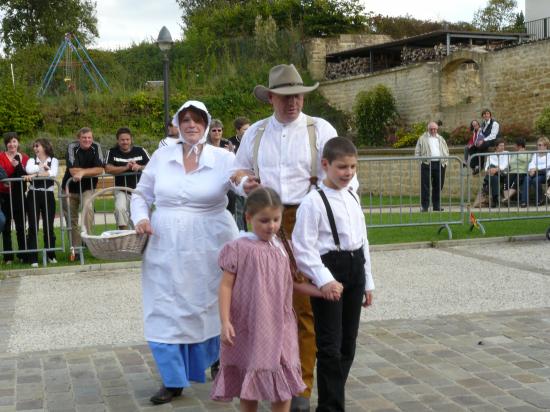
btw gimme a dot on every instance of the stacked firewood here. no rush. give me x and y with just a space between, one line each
348 67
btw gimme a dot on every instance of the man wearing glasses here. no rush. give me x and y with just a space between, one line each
432 145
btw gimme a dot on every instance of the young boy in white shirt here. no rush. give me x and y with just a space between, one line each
332 250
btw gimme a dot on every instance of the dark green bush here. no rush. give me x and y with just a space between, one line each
374 111
542 124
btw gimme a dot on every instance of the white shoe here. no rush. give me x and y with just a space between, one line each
34 265
52 260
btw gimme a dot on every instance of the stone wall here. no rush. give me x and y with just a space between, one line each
514 83
318 48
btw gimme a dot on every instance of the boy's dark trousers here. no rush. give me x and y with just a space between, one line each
336 327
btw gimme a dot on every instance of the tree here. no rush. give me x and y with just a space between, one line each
27 22
498 15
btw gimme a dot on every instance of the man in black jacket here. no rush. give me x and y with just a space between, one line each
84 162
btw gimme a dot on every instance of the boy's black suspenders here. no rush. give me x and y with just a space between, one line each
330 216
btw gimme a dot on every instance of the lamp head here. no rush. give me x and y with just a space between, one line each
164 39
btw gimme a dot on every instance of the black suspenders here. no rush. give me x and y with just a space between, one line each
330 216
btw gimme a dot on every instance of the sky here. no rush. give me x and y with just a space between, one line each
123 22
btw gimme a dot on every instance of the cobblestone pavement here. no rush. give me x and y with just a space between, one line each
492 361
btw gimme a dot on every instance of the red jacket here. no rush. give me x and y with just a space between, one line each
11 171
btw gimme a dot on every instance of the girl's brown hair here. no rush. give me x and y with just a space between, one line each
261 198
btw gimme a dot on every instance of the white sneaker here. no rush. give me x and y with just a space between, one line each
52 260
34 265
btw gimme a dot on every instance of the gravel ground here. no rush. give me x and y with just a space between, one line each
421 283
81 309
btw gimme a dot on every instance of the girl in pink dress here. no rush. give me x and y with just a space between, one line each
259 355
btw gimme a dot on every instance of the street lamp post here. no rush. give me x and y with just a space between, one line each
165 42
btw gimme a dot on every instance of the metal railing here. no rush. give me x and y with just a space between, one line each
538 29
392 193
490 196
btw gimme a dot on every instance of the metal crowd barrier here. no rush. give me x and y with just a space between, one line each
20 216
524 204
391 195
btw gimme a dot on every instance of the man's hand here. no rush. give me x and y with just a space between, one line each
493 171
251 184
532 172
332 290
77 177
368 298
144 227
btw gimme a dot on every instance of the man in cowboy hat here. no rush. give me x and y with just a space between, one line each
284 151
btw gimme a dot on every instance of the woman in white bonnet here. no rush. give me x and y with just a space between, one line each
187 183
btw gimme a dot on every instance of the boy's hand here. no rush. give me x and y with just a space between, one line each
368 298
228 333
332 290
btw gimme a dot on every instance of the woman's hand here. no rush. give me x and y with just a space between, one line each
228 333
28 178
144 227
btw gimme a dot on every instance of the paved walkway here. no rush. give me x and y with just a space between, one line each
489 352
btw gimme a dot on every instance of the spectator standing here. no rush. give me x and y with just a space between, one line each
12 195
236 202
173 136
84 162
215 135
241 125
284 151
3 175
432 171
40 198
122 159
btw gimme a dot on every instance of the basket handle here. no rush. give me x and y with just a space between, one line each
88 204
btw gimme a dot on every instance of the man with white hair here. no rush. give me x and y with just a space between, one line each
433 148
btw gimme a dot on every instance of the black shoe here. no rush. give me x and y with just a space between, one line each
299 404
475 171
214 369
424 210
165 395
523 204
438 209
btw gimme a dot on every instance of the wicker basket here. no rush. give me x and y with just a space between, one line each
114 244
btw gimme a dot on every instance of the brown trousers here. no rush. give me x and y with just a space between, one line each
304 314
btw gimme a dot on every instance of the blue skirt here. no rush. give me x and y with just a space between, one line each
178 364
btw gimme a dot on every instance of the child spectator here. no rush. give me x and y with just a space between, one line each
331 246
259 354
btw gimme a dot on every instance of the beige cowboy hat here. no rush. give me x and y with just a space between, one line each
285 80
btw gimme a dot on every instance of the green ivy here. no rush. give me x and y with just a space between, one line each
374 110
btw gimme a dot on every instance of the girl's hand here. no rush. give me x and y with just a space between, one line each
28 178
228 333
144 226
368 298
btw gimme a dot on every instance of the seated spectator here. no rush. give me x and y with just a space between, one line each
173 135
84 163
470 147
539 172
40 198
485 140
121 159
215 135
495 169
12 196
517 171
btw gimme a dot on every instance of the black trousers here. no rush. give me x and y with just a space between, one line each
432 173
336 328
483 148
13 207
40 203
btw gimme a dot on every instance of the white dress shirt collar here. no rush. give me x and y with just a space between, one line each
206 157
